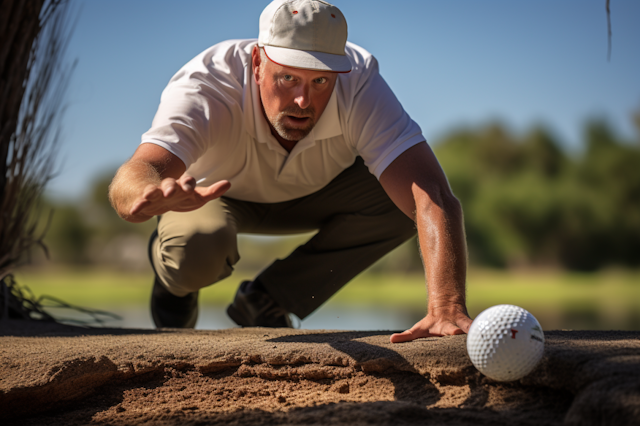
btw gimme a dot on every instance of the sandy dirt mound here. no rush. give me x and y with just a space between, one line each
60 375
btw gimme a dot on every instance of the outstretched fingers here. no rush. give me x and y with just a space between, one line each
180 195
170 187
187 184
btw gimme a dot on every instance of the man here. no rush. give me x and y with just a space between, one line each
296 132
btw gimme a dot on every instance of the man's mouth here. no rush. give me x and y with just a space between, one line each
298 120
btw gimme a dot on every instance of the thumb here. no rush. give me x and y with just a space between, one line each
465 324
214 191
405 336
412 334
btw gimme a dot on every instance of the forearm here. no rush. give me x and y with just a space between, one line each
443 248
129 184
416 183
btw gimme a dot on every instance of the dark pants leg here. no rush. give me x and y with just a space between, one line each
358 224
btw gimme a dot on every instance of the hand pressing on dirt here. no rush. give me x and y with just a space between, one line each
440 321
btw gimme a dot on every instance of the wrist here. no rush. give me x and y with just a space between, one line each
447 306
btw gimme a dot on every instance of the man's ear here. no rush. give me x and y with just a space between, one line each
256 62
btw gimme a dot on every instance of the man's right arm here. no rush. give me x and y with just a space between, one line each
154 182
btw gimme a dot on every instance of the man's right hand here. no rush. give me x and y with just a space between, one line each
179 195
154 182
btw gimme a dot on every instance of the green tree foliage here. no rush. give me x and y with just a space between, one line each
528 203
68 235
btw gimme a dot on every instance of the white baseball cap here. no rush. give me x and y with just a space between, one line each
308 34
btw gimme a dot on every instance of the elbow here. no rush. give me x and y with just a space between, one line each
118 200
115 198
437 198
451 204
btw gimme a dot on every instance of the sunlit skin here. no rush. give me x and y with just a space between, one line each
293 99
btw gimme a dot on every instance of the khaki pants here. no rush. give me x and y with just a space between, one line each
357 224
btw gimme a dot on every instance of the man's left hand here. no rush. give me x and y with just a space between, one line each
440 321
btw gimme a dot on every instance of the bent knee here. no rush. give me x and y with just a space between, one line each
199 260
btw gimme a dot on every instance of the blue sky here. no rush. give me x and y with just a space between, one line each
451 63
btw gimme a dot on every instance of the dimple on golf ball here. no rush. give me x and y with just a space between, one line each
505 342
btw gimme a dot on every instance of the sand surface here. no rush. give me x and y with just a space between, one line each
61 375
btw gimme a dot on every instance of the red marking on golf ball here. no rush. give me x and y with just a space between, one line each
333 16
295 12
513 333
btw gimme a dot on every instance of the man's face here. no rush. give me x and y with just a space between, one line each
293 99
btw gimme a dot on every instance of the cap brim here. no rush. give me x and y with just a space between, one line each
308 60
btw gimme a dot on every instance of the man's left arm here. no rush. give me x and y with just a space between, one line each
418 186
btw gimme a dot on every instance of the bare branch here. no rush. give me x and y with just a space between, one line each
609 30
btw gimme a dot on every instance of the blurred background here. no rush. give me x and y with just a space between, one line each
534 117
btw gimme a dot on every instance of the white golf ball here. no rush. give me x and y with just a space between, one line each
505 342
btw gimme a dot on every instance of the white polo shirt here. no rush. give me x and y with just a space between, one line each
210 117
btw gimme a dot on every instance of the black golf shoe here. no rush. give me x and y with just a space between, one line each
169 311
253 307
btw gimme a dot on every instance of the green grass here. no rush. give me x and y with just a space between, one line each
99 287
602 300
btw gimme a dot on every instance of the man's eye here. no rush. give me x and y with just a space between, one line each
321 80
287 77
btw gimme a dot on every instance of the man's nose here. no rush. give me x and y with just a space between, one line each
302 98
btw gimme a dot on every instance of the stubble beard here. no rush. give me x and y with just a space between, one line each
293 134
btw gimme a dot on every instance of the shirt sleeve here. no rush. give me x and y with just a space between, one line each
378 126
196 109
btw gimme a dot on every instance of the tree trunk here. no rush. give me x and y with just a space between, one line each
19 26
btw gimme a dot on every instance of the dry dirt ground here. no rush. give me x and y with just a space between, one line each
60 375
